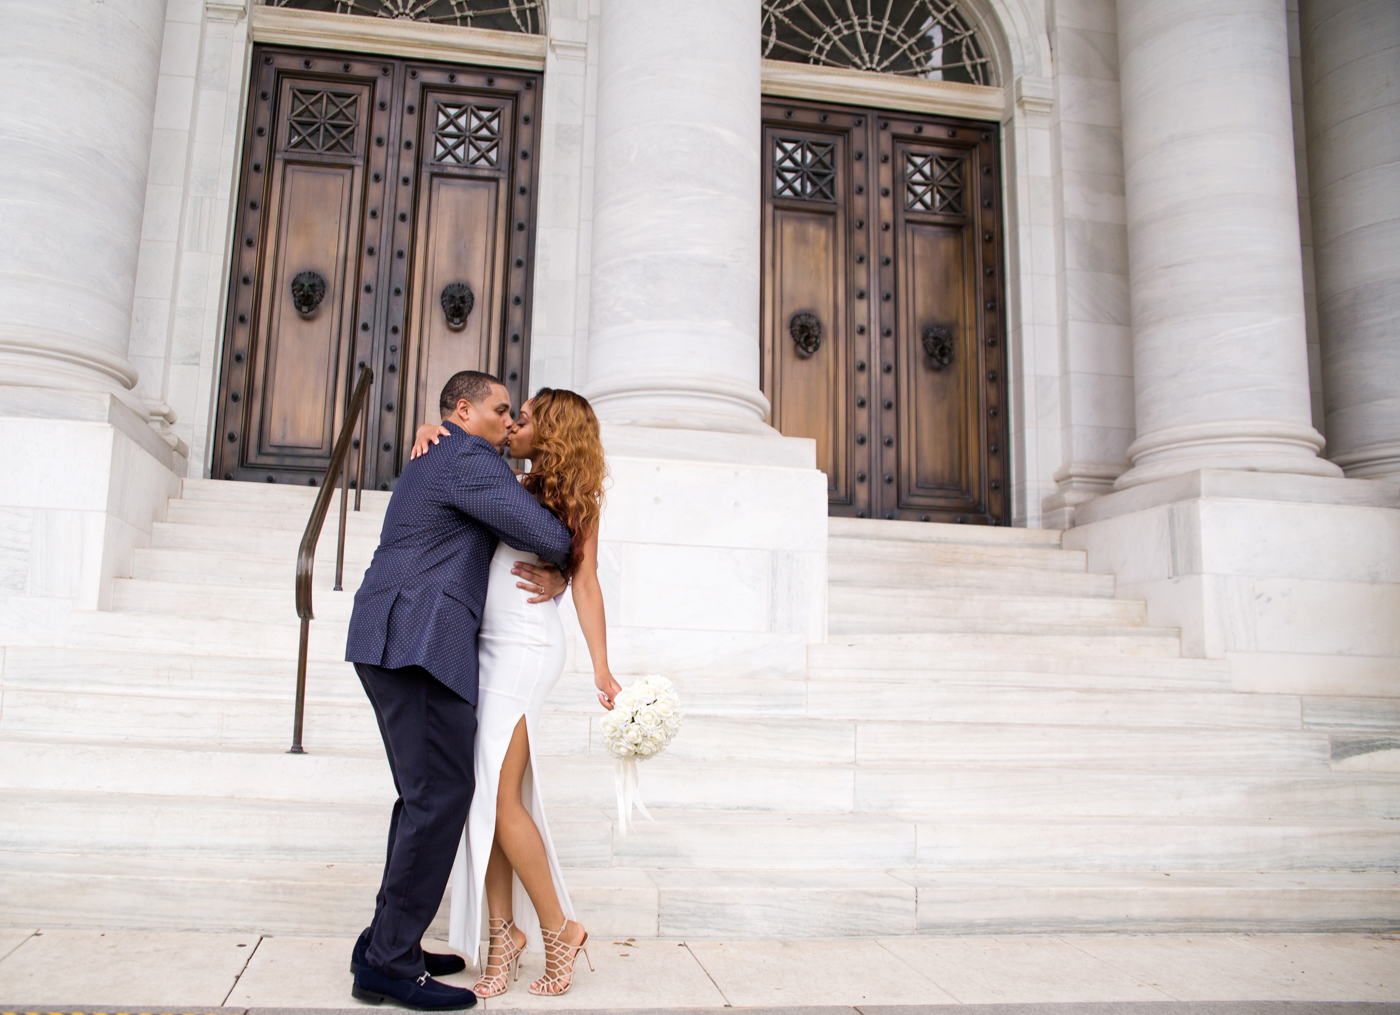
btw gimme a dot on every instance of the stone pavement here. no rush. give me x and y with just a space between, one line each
136 971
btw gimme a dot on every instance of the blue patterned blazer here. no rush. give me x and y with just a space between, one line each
422 597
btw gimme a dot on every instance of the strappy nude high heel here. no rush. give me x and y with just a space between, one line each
560 956
502 956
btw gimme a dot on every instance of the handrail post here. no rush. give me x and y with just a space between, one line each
364 444
340 539
301 687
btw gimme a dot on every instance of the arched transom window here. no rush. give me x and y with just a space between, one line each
928 39
500 15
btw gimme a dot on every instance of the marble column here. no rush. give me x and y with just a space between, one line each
1351 96
1216 287
79 80
674 305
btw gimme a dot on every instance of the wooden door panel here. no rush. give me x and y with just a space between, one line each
300 366
466 184
458 244
808 255
938 456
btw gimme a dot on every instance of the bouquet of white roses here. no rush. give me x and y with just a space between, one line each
644 718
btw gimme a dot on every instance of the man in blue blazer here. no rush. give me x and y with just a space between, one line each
413 642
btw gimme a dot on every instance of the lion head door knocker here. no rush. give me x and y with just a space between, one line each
806 332
938 344
308 290
457 303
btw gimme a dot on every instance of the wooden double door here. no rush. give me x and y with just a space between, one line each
883 318
385 219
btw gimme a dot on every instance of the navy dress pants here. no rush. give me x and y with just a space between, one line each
429 733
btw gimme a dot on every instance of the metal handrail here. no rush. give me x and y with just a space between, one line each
306 555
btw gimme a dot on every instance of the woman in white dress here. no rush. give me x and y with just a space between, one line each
521 652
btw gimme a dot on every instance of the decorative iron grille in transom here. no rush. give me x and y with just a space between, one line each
322 121
804 169
928 39
934 183
499 15
467 135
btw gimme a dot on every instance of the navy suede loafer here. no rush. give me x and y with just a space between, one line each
436 965
422 993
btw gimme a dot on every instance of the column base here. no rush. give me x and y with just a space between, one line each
1246 445
87 477
1076 483
712 554
1294 579
66 363
1375 461
681 402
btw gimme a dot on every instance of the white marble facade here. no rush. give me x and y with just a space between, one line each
1201 275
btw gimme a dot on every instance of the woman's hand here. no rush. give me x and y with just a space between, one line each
428 433
608 689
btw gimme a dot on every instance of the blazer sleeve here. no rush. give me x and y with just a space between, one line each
485 489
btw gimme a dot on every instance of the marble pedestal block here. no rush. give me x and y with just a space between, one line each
84 479
712 554
1293 579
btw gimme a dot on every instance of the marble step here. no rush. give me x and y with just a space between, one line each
1020 669
251 538
315 898
239 568
235 602
882 751
939 532
579 780
129 824
733 905
963 703
884 553
52 702
904 650
706 840
207 514
303 896
865 609
273 638
902 575
268 496
156 632
61 672
851 609
688 839
993 638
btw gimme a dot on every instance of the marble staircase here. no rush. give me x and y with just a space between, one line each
989 741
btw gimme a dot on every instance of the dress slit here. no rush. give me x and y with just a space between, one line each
521 650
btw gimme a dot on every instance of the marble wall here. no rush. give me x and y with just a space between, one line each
85 478
1293 579
1090 247
177 321
563 234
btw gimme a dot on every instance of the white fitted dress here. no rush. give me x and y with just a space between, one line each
521 652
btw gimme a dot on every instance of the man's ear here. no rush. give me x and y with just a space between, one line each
464 408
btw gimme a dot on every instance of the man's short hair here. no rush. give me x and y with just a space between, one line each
473 385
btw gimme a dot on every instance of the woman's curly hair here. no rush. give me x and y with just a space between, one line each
568 471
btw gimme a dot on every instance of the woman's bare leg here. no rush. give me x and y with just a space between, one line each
499 903
520 843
